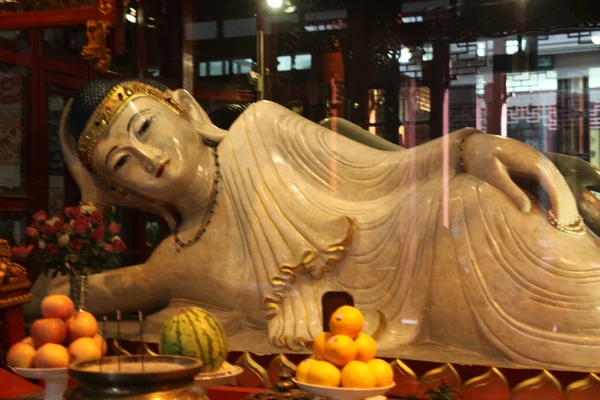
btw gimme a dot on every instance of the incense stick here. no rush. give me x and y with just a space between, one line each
141 321
104 320
119 339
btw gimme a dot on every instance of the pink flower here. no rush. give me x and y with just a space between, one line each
52 249
108 247
98 234
48 230
81 224
118 244
96 217
76 245
21 252
39 216
72 212
114 228
31 231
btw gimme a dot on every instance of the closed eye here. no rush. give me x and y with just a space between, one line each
145 126
121 162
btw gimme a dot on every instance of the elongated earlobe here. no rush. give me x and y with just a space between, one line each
198 117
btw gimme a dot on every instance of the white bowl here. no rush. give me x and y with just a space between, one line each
55 380
225 376
339 393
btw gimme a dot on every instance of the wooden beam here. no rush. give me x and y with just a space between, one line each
224 96
37 19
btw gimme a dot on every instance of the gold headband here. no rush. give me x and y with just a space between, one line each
112 104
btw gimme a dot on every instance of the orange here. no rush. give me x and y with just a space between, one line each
302 370
339 350
323 373
384 374
346 320
365 347
357 374
319 345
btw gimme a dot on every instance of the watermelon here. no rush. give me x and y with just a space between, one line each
194 332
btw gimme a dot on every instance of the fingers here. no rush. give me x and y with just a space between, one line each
523 161
504 182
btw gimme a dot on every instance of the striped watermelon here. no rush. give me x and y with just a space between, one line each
193 332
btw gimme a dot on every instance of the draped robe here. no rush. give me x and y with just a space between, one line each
444 265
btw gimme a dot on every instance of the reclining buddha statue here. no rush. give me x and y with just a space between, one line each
468 248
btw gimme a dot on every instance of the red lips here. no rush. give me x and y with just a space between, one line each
161 168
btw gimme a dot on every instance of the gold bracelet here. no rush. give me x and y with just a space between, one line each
461 152
577 228
103 209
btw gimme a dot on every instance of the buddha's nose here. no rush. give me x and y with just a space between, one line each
150 157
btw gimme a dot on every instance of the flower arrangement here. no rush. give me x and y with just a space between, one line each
77 239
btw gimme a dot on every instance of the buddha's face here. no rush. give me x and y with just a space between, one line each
149 150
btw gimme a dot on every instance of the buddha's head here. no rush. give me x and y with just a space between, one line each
141 136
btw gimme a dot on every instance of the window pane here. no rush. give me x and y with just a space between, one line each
14 86
55 104
284 63
14 39
64 43
303 61
12 227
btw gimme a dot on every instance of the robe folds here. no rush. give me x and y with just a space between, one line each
444 266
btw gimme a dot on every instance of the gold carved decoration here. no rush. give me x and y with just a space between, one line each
277 366
105 6
96 51
490 386
407 383
13 278
16 300
443 375
585 389
254 376
544 386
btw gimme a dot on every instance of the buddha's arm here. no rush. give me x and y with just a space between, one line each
497 161
128 289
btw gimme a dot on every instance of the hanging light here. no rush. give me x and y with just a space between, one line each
275 3
289 7
131 15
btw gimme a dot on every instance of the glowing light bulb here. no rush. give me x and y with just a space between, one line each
275 3
596 38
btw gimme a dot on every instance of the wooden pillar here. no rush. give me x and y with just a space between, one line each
495 96
358 55
436 75
187 55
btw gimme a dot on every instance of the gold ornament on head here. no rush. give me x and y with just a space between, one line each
106 112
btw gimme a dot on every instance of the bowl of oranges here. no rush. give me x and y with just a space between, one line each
343 365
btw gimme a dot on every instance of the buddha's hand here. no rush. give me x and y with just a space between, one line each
497 161
91 189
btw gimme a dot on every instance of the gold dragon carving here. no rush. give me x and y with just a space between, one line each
96 51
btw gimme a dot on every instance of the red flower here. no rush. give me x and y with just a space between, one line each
59 225
81 224
98 234
76 245
39 216
52 249
48 230
72 212
31 231
35 225
108 248
21 251
114 228
96 217
118 245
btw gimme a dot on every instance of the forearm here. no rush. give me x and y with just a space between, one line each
431 158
